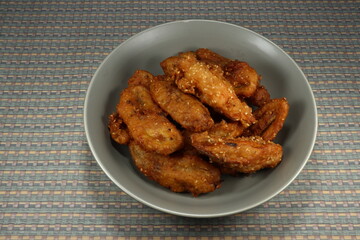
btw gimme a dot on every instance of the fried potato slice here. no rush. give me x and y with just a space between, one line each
242 155
195 77
185 109
147 123
118 130
271 118
183 172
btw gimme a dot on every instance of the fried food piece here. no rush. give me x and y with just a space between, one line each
222 129
185 109
147 123
170 65
225 169
225 129
260 97
141 77
183 172
118 130
194 77
271 118
243 155
171 68
242 77
210 57
187 140
240 74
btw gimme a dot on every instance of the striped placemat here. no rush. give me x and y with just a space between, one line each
52 188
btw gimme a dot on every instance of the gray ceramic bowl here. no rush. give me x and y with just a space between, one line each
280 74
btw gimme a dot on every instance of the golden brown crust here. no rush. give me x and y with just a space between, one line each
118 130
260 97
242 77
195 77
240 74
225 129
271 118
243 155
184 172
210 57
147 123
141 77
171 68
185 109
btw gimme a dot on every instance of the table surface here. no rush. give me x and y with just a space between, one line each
51 187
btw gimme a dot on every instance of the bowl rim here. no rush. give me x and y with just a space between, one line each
178 213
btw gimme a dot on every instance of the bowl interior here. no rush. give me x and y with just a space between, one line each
146 50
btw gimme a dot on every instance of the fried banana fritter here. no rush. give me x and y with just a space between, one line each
195 77
118 130
271 118
242 155
141 77
240 74
225 129
147 123
170 66
242 77
260 97
184 172
185 109
210 57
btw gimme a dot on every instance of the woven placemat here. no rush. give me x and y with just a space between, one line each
50 184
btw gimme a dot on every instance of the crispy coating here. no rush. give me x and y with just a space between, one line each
185 109
242 77
141 77
225 129
195 77
118 130
240 74
242 155
184 172
260 97
170 66
271 118
210 57
147 123
225 169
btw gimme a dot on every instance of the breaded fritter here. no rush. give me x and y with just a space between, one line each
270 119
242 77
146 122
210 57
260 97
141 77
184 172
185 109
194 77
225 129
242 155
118 130
240 74
170 66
